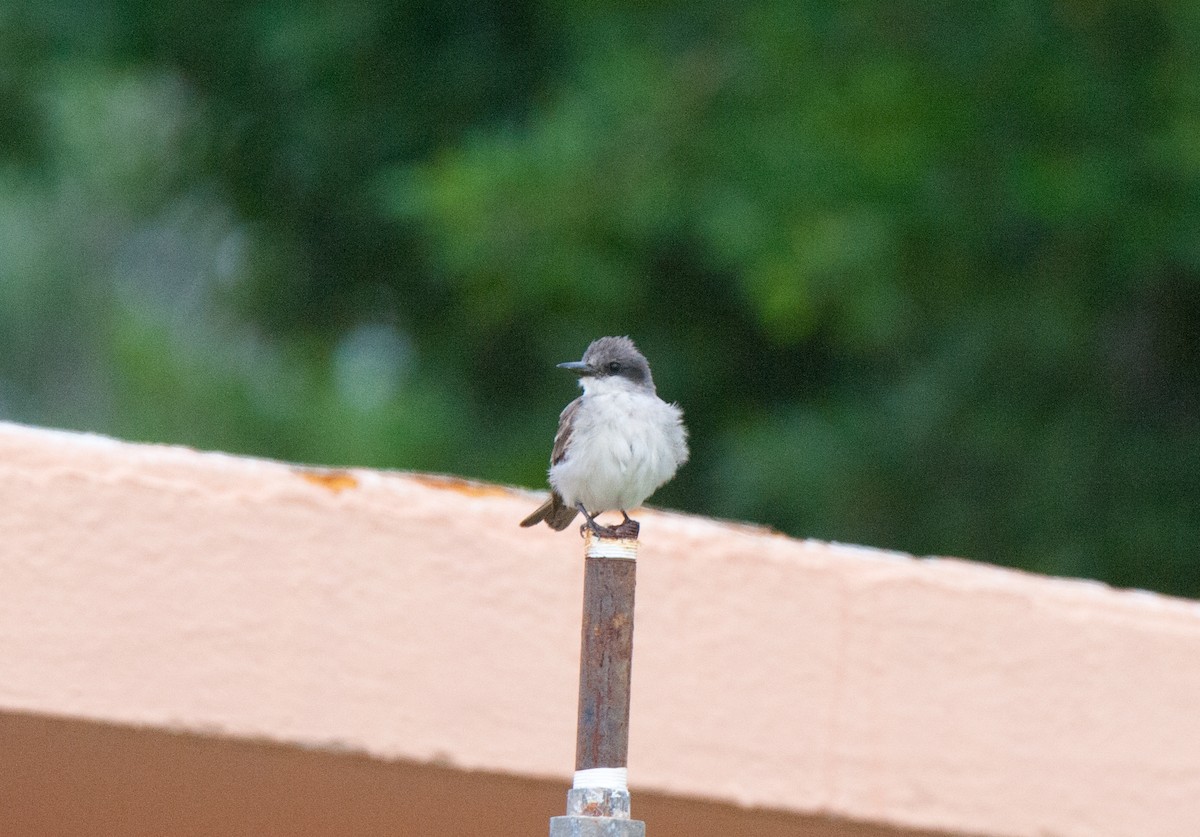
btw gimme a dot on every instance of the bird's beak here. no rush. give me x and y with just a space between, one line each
576 366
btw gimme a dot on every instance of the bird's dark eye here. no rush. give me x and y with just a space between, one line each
614 367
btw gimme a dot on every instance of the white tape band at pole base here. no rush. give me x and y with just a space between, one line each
611 548
611 778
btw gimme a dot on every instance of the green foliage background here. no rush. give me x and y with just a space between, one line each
923 275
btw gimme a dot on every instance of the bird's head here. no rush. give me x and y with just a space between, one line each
612 358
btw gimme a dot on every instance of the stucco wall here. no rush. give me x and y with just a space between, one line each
407 617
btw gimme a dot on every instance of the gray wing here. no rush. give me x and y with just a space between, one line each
563 437
557 515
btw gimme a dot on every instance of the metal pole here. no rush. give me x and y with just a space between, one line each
598 804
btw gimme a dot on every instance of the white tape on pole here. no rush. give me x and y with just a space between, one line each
612 778
612 548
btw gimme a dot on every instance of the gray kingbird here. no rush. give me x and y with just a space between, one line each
616 443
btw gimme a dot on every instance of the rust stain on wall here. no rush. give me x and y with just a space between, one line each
462 486
335 481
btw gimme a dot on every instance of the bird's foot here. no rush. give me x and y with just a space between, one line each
627 528
600 530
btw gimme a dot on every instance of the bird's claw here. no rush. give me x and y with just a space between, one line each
627 528
600 530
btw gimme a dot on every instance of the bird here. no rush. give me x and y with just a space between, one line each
616 444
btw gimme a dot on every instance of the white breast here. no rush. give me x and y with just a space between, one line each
626 442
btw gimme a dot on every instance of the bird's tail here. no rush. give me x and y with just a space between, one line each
557 514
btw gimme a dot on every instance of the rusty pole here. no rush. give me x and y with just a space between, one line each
598 804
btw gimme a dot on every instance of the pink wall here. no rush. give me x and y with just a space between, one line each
408 617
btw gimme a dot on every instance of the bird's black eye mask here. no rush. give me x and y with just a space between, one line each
635 370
